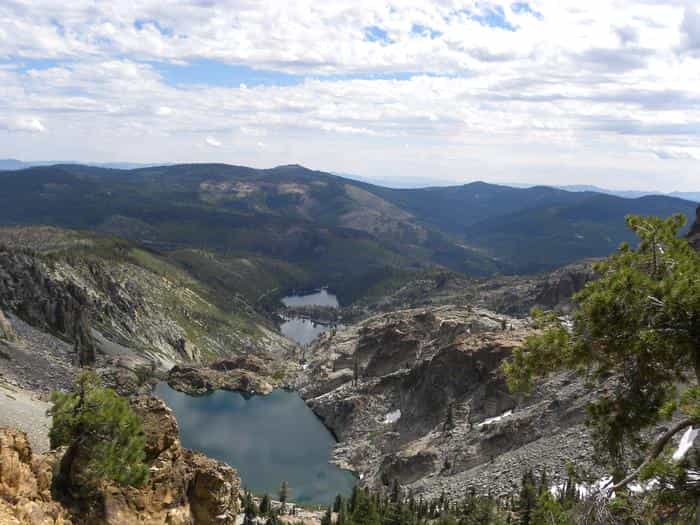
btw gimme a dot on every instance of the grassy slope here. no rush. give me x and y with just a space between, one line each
152 298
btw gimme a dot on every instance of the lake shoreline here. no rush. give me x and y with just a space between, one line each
305 316
281 417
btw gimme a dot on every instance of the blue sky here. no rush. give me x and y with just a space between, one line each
544 91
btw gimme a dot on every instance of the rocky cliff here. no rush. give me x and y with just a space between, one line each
418 396
184 487
106 295
25 484
513 295
247 374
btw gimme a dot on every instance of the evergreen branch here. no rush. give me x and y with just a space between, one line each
658 447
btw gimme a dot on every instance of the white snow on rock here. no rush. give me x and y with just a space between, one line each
495 419
686 443
392 417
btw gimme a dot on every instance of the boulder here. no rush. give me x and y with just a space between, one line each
25 496
212 490
184 487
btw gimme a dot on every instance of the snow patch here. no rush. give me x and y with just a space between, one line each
392 417
494 419
686 443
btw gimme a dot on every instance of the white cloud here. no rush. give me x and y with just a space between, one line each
23 124
584 90
690 29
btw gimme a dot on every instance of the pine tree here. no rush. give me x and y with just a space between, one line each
544 483
528 498
249 508
284 494
449 419
395 491
327 518
356 368
265 505
103 435
639 322
354 497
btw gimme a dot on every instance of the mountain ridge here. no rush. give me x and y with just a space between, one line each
334 230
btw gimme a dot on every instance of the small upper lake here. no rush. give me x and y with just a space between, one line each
268 439
303 330
319 298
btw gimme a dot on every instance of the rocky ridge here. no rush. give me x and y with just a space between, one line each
132 303
418 396
246 374
513 295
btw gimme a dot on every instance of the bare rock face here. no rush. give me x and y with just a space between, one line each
247 374
212 490
418 396
184 487
25 496
163 317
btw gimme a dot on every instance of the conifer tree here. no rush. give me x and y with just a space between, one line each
639 322
327 518
395 491
103 435
528 498
284 494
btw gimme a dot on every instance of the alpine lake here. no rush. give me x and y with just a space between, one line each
267 439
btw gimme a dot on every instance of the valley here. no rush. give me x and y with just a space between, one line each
200 284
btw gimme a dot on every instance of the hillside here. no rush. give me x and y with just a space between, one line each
136 303
298 227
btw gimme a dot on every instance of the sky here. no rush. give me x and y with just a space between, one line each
556 92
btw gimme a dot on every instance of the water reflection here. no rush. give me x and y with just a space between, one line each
320 298
303 331
268 439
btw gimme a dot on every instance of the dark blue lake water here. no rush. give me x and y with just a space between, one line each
268 439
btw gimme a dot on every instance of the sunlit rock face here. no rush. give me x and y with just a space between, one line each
184 487
418 395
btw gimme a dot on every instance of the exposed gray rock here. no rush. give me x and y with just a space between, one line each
161 316
418 395
248 374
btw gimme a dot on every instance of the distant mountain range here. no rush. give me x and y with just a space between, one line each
322 228
390 182
633 194
14 164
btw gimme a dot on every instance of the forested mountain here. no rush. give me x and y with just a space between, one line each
326 228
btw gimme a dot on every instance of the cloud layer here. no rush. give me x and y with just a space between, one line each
545 91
